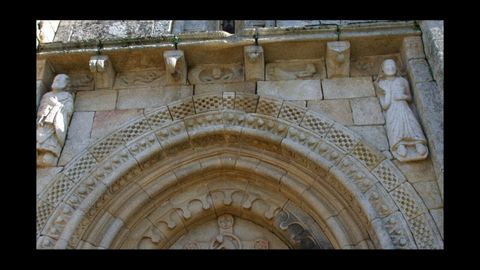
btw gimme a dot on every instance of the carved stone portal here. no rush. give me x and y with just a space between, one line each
338 59
407 142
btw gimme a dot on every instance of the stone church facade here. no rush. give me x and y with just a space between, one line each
239 134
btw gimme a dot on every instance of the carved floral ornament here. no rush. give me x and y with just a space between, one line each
309 141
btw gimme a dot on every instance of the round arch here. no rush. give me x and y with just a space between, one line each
160 175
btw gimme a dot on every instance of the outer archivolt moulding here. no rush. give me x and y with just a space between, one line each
325 160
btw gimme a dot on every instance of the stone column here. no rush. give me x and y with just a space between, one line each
103 71
254 63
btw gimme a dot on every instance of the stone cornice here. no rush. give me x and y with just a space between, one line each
217 38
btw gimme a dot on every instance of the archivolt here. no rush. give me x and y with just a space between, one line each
158 174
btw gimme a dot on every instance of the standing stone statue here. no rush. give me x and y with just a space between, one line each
55 110
407 142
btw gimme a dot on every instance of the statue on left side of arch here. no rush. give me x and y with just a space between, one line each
53 117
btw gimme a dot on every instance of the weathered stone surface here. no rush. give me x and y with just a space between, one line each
107 121
343 22
45 175
82 81
78 137
45 72
430 107
367 111
296 23
41 89
291 90
100 100
412 48
45 76
361 66
162 27
437 215
245 87
339 109
72 148
388 154
386 40
83 30
418 71
432 35
257 23
151 97
194 26
347 87
429 193
437 68
418 171
80 126
301 103
307 69
330 22
440 183
376 135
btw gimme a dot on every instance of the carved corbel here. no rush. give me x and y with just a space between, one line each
176 67
103 71
338 59
254 63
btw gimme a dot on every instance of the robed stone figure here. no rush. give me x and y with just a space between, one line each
54 113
